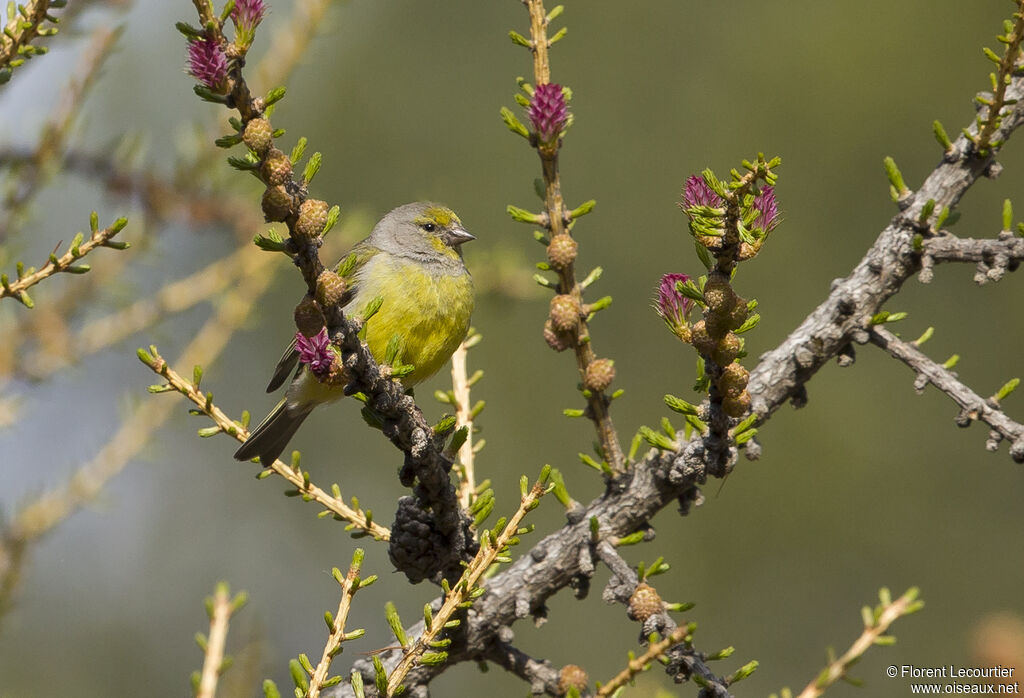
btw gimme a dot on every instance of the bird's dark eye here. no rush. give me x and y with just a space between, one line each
429 227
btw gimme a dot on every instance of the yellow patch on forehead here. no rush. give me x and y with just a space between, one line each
440 216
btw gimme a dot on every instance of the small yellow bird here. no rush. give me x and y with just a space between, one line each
413 261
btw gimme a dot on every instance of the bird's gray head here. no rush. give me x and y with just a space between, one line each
422 230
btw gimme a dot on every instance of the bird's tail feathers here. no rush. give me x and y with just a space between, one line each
270 438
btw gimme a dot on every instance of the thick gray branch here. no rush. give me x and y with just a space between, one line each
845 315
521 590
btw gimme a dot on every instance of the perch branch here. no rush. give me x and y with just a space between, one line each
426 467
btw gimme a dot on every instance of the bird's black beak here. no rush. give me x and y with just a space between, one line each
456 236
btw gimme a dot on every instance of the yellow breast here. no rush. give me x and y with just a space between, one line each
429 310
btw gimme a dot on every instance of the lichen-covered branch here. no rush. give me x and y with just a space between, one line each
993 256
538 674
553 563
972 405
644 605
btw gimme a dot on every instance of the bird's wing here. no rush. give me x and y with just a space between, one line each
284 367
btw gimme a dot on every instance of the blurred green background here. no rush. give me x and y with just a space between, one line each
869 485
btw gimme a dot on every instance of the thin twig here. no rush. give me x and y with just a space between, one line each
220 609
463 418
350 584
948 248
207 16
174 297
65 263
971 404
21 29
874 633
993 256
635 666
357 518
1008 64
57 343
